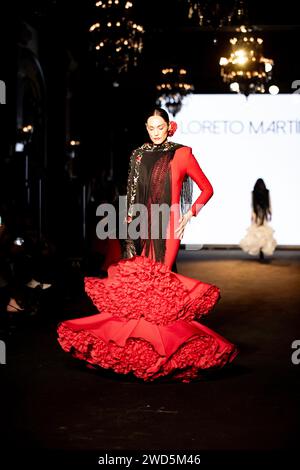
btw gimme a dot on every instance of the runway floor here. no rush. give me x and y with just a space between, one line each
56 410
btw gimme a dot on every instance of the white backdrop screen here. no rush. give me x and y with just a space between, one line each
236 141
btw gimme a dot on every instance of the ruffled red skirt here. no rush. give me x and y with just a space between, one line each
148 323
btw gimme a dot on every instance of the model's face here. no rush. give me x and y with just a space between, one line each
157 129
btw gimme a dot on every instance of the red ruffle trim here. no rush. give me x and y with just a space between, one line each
146 325
141 287
181 350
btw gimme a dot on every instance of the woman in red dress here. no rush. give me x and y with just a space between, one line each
148 315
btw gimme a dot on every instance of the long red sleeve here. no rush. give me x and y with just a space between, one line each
194 171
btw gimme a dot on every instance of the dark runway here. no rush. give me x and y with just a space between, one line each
56 411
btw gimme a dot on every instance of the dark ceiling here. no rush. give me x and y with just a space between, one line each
170 37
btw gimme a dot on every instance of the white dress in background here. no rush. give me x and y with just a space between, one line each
259 238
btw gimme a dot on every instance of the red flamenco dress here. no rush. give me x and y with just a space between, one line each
148 315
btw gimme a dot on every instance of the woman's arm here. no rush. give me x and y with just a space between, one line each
129 250
270 206
129 181
194 171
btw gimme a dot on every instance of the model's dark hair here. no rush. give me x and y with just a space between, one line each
261 201
159 112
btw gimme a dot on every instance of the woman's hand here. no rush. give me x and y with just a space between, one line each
182 223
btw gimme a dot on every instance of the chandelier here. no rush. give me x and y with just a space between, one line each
172 88
246 70
116 38
215 13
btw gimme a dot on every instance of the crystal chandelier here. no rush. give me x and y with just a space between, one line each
116 37
172 88
246 70
215 13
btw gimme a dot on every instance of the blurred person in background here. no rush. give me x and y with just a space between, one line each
259 240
